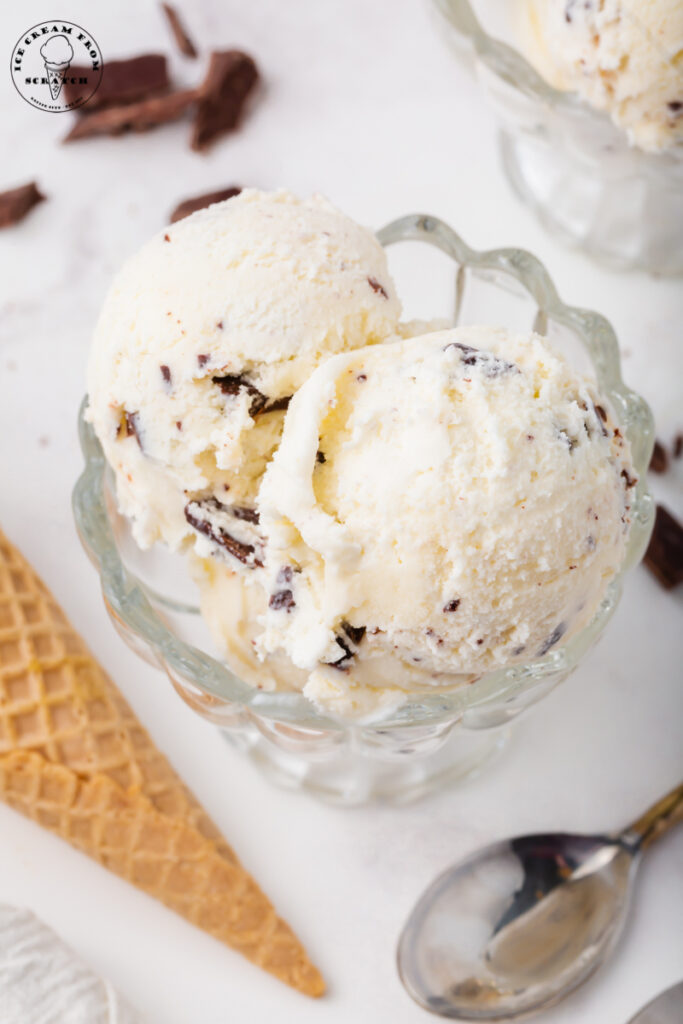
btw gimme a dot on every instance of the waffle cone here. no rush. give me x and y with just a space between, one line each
74 758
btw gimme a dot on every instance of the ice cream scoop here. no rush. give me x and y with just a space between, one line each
57 53
622 57
438 508
204 337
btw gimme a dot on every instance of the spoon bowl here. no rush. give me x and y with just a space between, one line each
519 925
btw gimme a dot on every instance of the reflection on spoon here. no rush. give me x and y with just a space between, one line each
519 925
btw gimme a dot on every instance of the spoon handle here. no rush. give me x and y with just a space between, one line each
659 818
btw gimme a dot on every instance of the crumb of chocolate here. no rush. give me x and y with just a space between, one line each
285 574
132 426
480 641
489 364
629 481
233 384
277 405
659 463
219 325
346 656
282 600
664 556
452 606
530 437
182 39
138 117
377 287
189 206
179 424
361 377
319 457
167 238
165 373
230 78
16 203
203 359
601 413
675 106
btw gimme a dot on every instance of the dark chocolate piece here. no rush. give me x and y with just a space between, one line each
203 359
285 575
664 556
183 41
354 633
249 515
377 287
452 606
659 463
189 206
230 78
123 81
232 384
490 365
675 106
132 423
346 655
165 373
137 117
554 638
17 202
319 457
277 404
244 553
629 481
282 600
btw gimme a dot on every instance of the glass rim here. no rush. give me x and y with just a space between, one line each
128 600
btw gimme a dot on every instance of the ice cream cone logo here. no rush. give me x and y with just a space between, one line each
56 65
57 53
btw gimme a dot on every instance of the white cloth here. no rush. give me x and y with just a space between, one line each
42 981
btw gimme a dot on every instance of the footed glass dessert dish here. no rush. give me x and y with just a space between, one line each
566 160
432 738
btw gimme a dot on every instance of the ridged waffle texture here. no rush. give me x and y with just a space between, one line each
74 758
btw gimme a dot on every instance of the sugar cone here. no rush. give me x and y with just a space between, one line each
74 757
55 77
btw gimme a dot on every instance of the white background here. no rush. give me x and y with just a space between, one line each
363 102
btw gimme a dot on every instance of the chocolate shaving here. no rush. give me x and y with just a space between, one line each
249 515
347 654
319 457
132 424
17 202
659 463
282 600
165 373
664 556
377 287
554 637
123 81
244 553
232 384
222 96
183 41
189 206
452 606
137 117
277 404
354 633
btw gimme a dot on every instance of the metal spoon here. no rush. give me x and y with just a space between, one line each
516 927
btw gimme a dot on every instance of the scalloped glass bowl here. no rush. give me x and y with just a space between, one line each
431 739
567 161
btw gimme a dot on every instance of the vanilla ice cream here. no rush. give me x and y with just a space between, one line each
622 57
438 508
204 337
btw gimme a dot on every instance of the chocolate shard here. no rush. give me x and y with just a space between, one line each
659 463
131 422
249 515
320 457
664 556
490 364
182 39
554 638
451 606
277 404
230 78
345 657
17 202
282 600
189 206
137 117
198 515
232 384
377 287
354 633
123 81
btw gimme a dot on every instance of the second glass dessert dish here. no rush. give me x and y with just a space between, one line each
435 735
619 199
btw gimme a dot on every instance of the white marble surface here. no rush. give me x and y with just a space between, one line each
363 102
